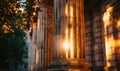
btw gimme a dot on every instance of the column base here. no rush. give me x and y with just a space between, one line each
68 70
111 68
61 64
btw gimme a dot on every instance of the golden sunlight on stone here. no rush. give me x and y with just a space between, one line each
37 56
69 11
109 41
118 23
66 45
106 16
71 43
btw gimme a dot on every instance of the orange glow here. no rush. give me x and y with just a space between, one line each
34 13
109 41
117 42
106 16
69 13
118 23
110 44
71 43
37 56
66 9
66 45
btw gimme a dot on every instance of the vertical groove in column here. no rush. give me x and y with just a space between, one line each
75 43
41 27
73 27
83 31
66 18
37 62
65 27
45 46
40 43
58 52
40 57
68 25
48 57
54 53
62 28
82 28
81 50
43 39
77 23
46 52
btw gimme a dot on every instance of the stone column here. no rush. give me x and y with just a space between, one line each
44 36
69 31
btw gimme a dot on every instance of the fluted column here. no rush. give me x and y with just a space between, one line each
45 36
69 26
69 45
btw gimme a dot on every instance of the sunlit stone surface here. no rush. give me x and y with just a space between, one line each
65 50
69 45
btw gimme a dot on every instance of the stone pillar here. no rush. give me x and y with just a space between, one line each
32 49
68 31
44 36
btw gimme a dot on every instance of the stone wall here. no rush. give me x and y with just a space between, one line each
103 53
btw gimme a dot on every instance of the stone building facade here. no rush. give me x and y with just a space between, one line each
90 28
102 34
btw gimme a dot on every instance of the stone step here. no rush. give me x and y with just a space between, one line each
68 70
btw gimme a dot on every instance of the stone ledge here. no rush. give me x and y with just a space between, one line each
68 70
61 64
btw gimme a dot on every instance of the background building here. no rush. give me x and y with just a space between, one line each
102 34
101 23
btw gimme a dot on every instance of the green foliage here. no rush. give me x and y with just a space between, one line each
31 11
10 13
12 46
12 25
